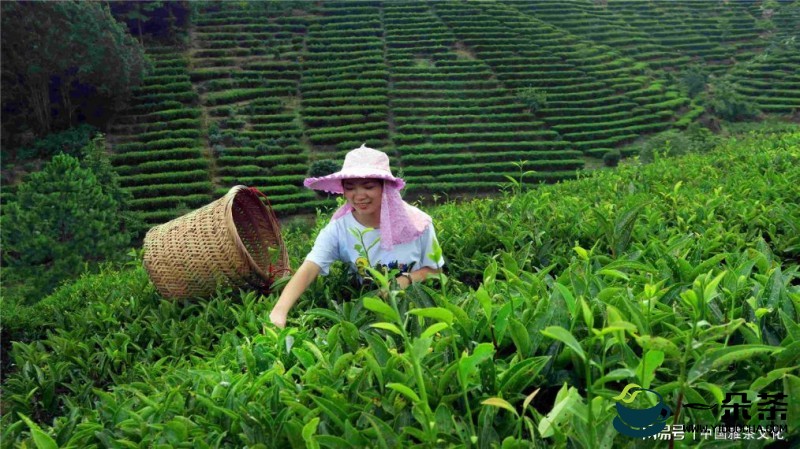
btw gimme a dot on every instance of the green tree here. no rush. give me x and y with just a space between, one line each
323 167
535 99
65 60
611 158
69 141
694 80
95 158
728 104
63 219
166 21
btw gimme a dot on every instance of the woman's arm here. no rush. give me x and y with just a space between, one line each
304 276
417 276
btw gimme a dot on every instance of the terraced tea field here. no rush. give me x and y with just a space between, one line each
443 87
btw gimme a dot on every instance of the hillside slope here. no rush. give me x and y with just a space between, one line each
457 93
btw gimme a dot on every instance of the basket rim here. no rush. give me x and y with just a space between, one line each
230 196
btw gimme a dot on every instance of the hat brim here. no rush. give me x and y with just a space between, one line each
333 183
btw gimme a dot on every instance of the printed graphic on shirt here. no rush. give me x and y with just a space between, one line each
362 263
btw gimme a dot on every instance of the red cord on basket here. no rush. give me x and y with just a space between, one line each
272 270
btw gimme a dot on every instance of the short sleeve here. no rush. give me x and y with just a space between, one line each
326 249
428 238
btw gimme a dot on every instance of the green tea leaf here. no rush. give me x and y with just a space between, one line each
373 366
529 399
485 301
445 381
563 335
405 391
710 290
789 357
436 250
326 313
582 253
520 336
559 412
614 273
724 356
461 317
42 440
175 431
685 269
521 374
770 377
615 375
388 326
693 396
791 388
378 348
308 433
586 311
501 321
716 391
381 308
333 442
669 348
416 433
379 277
770 297
609 293
707 265
317 353
646 371
433 329
436 313
332 409
501 403
386 438
342 363
468 364
792 328
572 304
714 333
444 418
420 347
304 357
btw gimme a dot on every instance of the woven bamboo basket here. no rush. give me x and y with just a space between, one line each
235 241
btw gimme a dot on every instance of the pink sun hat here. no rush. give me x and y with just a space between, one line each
363 162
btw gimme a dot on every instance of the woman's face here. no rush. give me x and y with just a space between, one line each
364 195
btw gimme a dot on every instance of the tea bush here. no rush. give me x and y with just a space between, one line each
611 158
695 139
681 276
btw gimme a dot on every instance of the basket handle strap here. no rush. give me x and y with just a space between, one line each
261 194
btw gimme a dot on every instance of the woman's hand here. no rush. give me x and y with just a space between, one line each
404 281
278 318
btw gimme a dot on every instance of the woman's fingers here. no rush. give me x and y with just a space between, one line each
278 319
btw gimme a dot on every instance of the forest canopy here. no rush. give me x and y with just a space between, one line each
64 63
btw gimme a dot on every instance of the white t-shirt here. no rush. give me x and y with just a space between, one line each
336 242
